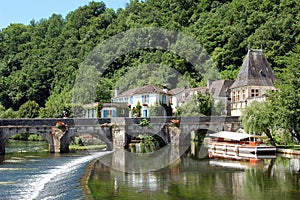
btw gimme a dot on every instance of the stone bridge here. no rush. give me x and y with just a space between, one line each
58 139
115 132
177 130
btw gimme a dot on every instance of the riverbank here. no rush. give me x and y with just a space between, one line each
288 151
87 147
86 177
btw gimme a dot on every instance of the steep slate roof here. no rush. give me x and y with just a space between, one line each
176 91
255 71
220 88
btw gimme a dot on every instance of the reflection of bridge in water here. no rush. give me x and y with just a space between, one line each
115 132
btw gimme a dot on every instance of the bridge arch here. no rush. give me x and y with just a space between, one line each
199 134
102 132
8 132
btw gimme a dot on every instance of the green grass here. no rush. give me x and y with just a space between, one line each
294 147
87 147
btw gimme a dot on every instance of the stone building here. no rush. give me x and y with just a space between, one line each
220 92
254 80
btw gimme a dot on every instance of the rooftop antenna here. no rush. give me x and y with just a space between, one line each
261 46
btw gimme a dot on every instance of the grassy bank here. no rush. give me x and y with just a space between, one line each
292 147
87 147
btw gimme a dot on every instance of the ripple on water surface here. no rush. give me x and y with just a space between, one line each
44 177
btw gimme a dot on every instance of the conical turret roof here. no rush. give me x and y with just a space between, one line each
255 71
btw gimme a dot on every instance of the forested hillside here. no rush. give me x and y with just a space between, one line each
39 62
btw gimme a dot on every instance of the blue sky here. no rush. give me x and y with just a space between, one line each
23 11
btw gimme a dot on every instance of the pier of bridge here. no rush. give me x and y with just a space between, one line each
115 132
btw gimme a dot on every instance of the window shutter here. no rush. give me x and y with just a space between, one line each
131 100
145 113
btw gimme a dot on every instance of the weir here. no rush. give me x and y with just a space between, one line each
115 132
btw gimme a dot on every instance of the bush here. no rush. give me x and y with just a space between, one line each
34 137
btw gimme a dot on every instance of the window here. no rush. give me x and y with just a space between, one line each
244 95
145 113
164 99
131 100
145 99
254 92
109 113
233 96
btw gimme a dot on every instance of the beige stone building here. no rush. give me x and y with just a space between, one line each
254 80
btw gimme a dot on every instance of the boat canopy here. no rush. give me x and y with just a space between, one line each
231 135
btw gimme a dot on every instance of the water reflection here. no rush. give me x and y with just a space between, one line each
20 146
194 177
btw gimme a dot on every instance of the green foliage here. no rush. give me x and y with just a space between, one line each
283 137
122 111
104 90
156 110
40 61
229 73
286 102
199 105
257 117
30 109
56 104
136 111
98 109
218 108
21 136
9 113
34 137
145 123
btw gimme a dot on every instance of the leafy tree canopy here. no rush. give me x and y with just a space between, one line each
40 61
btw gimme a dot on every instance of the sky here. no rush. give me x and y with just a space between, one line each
23 11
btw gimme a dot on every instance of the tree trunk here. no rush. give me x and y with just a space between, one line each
268 133
296 135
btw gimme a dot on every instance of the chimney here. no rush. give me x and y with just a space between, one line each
165 88
116 91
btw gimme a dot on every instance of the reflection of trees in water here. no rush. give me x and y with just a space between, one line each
145 144
275 175
189 178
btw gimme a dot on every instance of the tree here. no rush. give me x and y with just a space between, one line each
199 105
218 108
136 111
286 102
56 104
41 60
257 119
30 109
156 110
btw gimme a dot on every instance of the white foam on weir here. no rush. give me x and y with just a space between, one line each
36 185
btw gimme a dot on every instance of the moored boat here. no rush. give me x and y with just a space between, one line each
239 146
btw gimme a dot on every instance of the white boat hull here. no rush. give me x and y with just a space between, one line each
241 151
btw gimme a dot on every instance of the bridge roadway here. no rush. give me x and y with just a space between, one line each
115 132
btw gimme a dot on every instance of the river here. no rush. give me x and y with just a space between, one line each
40 175
29 172
193 177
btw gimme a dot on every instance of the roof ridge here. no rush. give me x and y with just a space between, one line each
255 70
